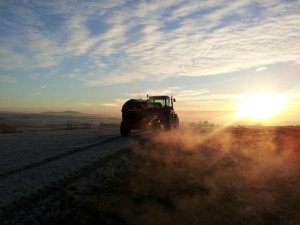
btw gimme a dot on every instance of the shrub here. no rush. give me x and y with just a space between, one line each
86 125
7 128
201 124
205 124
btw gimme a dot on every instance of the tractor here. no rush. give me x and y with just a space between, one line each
154 113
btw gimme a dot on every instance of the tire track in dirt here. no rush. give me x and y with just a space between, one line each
54 158
27 202
45 177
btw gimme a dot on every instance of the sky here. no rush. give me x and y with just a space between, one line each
92 56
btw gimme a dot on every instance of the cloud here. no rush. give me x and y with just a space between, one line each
121 101
109 104
43 86
121 41
35 94
192 93
7 79
76 70
261 68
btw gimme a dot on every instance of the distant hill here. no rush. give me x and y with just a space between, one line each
68 112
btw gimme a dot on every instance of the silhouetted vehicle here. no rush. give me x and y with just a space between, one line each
154 113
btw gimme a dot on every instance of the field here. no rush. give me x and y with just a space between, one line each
215 175
233 176
21 122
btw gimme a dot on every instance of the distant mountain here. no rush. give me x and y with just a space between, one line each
68 112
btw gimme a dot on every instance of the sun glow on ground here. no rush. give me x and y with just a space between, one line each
261 106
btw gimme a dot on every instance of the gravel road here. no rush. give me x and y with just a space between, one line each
31 162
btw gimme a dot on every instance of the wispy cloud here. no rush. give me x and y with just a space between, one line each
110 104
7 79
35 94
43 86
121 101
192 92
261 68
121 41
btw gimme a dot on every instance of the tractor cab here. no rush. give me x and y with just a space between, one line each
162 100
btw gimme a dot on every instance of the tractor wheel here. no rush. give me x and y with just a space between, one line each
177 122
167 124
155 125
124 132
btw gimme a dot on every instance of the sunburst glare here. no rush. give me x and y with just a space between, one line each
261 106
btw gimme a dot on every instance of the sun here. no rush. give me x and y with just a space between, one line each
261 106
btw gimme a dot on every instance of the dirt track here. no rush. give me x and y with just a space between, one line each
34 163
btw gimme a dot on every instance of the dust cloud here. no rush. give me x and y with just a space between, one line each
233 175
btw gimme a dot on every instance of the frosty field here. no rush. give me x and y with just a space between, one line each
223 175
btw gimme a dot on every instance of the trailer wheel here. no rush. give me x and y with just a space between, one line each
124 132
